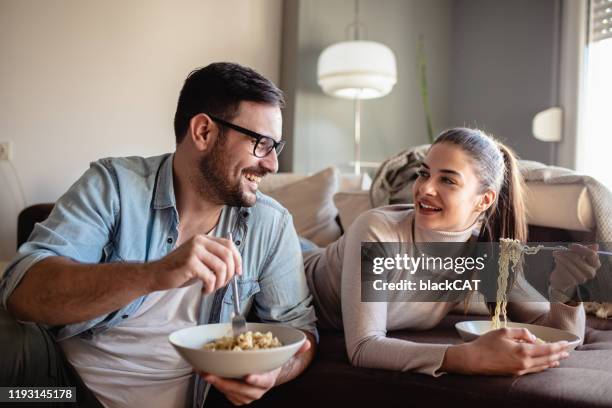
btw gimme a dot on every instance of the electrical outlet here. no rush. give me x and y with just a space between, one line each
5 151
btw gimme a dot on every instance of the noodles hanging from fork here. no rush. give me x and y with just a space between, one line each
510 251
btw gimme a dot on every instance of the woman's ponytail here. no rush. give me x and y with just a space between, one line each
507 217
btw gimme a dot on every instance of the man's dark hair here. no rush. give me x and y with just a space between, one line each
217 89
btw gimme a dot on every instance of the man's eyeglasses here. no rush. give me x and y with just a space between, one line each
263 145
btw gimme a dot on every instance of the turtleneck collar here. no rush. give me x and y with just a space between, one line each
427 235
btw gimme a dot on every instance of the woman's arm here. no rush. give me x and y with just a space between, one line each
506 351
509 351
527 305
572 268
365 323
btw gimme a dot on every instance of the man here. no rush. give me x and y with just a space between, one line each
138 248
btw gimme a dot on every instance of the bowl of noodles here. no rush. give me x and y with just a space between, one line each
212 349
470 330
511 253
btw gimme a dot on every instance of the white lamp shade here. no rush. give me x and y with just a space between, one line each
357 70
547 125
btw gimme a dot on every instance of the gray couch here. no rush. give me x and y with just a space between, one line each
583 380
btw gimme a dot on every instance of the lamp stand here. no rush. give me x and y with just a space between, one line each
357 162
357 69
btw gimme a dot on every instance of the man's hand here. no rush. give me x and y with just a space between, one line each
253 386
209 259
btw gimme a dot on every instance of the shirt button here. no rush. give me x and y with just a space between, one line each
237 243
125 316
245 214
170 240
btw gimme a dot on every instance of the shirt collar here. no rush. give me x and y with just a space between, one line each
164 185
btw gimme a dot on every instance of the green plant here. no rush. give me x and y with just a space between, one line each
422 71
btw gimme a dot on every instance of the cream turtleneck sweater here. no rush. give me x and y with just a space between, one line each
334 277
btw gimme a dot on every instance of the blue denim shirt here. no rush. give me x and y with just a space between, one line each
124 210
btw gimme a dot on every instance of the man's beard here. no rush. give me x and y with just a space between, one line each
213 183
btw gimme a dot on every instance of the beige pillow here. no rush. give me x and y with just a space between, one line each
566 206
350 204
309 201
277 180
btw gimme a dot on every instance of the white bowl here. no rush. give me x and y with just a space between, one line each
470 330
235 364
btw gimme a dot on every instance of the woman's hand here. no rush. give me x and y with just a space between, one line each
572 268
509 351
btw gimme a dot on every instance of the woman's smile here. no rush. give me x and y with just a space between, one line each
428 208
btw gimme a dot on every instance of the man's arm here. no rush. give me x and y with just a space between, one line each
58 291
298 363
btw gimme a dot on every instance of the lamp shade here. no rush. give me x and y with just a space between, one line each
357 70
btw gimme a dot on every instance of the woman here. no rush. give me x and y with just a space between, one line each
468 184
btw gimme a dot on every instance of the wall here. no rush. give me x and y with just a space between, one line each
85 79
492 64
319 127
505 68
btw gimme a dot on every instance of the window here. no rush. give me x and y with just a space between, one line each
595 143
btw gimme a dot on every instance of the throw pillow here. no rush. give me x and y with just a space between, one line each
310 202
350 204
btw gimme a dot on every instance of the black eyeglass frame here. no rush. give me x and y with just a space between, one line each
278 146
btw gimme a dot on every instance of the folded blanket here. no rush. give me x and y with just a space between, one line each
392 183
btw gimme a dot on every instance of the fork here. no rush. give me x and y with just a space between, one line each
561 248
239 324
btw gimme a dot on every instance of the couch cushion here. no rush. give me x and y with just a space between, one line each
275 181
309 200
350 204
566 206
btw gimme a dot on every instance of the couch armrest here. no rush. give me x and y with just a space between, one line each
565 206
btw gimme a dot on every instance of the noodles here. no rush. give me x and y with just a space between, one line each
245 341
510 250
